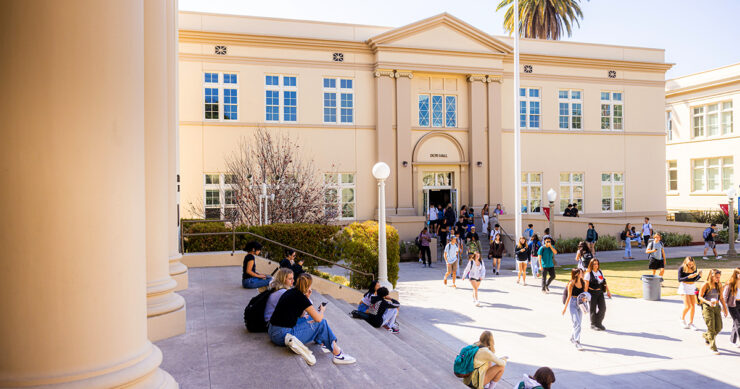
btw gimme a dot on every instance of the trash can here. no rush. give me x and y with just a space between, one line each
651 287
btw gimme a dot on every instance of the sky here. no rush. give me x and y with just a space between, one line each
697 35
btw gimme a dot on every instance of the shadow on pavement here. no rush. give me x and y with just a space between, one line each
643 335
505 306
622 351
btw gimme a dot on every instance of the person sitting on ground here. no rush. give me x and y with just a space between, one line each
291 263
282 281
636 237
251 279
365 302
290 326
543 379
488 368
383 311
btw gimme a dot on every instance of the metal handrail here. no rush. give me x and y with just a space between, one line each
234 233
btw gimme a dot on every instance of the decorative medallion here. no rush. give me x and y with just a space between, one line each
527 68
220 50
612 74
338 57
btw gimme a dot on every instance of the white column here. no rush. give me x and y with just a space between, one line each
73 197
165 309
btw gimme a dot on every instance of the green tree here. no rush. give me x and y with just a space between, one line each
542 19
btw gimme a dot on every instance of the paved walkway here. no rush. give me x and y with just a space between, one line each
644 345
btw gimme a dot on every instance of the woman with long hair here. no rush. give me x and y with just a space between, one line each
488 367
731 295
485 220
627 233
687 276
711 298
495 253
543 378
583 256
522 257
534 246
372 289
574 289
597 287
475 271
283 281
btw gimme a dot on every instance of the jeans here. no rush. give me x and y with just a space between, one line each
389 317
713 318
735 313
598 307
545 281
646 238
254 282
362 307
575 315
305 332
426 252
535 266
628 248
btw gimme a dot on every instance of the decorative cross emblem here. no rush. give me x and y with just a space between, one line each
338 57
220 50
527 68
612 74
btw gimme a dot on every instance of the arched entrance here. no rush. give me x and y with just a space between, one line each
439 171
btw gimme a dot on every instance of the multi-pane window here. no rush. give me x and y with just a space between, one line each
571 190
712 174
341 194
612 114
612 192
437 111
712 119
570 108
531 192
672 175
529 107
220 95
281 98
219 195
669 125
438 179
338 91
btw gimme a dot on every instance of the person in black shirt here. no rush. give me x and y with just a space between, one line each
461 226
574 210
251 279
383 311
296 322
290 262
568 211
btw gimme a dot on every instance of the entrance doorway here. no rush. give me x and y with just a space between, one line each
438 189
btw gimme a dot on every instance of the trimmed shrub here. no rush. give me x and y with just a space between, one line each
197 244
359 249
675 239
607 243
567 245
723 236
316 239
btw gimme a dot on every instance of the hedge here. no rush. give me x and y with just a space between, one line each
359 249
675 239
570 245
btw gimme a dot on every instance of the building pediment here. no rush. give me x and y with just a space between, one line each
441 32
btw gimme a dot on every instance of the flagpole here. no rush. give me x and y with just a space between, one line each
517 132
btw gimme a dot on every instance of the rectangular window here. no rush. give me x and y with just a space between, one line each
344 94
341 194
281 98
437 179
531 192
712 175
612 192
529 108
571 190
220 96
220 197
570 109
669 125
441 113
726 120
672 175
612 111
712 120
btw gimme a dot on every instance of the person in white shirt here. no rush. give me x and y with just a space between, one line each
647 231
451 256
475 271
432 215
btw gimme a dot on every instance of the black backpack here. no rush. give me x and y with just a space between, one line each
254 312
623 236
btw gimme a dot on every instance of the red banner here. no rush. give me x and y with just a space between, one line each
547 212
725 209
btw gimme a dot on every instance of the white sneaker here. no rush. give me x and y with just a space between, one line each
719 257
477 303
299 348
683 323
693 327
343 359
324 349
705 258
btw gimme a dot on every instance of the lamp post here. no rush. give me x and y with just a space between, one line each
381 171
732 193
551 197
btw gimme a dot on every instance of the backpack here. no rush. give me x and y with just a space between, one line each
463 366
254 312
707 233
417 242
623 236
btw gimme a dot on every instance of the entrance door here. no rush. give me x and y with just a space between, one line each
453 200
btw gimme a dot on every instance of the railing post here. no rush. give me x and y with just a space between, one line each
182 238
233 239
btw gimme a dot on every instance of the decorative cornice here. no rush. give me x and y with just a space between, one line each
453 53
702 86
385 73
437 68
495 78
205 37
587 132
230 123
595 80
608 64
476 77
404 73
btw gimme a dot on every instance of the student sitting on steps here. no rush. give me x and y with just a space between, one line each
383 311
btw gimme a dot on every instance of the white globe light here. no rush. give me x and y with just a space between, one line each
731 193
381 170
552 195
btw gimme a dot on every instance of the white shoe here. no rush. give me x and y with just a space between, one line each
578 346
299 348
693 327
324 349
477 303
706 258
719 257
343 359
683 323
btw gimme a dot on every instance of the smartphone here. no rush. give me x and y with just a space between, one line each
323 304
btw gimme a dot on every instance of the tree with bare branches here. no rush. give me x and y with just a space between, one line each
301 195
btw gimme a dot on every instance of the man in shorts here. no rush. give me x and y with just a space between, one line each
656 253
709 235
647 231
451 255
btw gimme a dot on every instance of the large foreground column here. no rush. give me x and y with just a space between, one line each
165 309
73 263
386 141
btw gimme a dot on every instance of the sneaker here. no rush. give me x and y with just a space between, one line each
496 272
686 326
601 328
715 352
705 258
477 303
719 257
693 327
343 359
394 330
573 340
593 327
299 348
578 346
324 349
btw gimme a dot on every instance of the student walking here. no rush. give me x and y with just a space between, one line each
709 236
522 258
426 254
432 218
627 238
583 256
475 271
545 257
451 252
647 231
711 299
495 253
731 294
534 246
473 242
574 289
597 287
591 237
656 253
485 220
529 232
687 276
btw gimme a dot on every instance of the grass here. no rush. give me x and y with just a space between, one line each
624 277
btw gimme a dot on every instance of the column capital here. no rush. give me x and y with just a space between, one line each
476 77
495 78
404 73
385 73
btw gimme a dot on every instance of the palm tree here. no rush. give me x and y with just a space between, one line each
542 19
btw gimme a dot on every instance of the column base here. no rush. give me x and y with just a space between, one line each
406 211
165 310
179 272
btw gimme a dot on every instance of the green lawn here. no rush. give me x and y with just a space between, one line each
624 277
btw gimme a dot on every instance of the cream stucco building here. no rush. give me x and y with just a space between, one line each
433 99
702 144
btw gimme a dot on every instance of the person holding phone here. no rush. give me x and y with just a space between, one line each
597 287
687 276
545 257
711 299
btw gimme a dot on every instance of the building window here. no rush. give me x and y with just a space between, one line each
281 98
338 90
220 199
612 114
437 179
669 125
571 190
712 119
531 192
712 174
341 194
612 192
529 107
672 176
570 107
220 92
440 110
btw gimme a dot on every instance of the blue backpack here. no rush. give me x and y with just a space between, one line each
463 366
708 232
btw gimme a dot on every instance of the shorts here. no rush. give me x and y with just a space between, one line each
687 289
475 279
709 244
656 264
452 268
518 262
